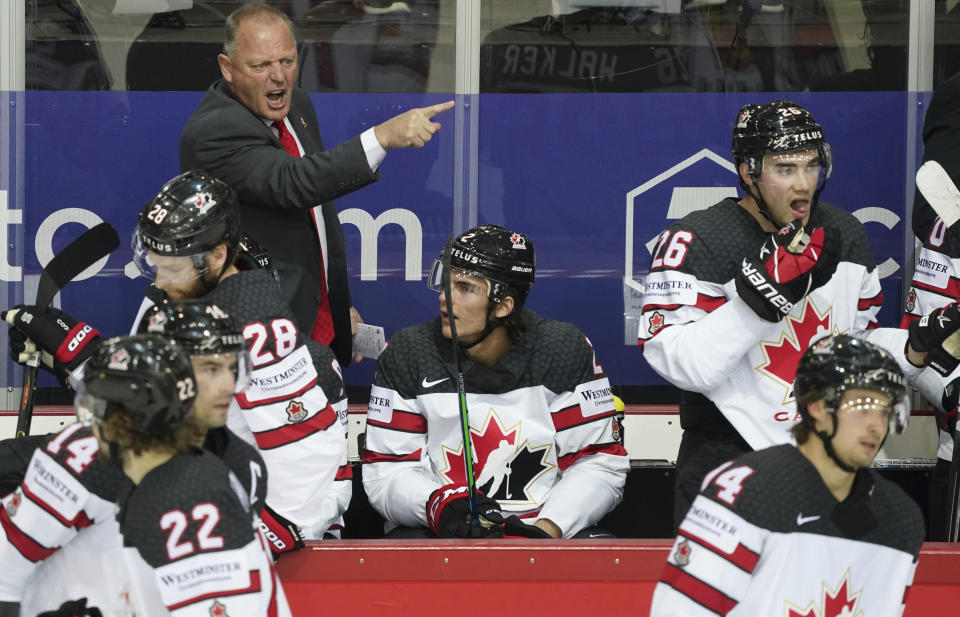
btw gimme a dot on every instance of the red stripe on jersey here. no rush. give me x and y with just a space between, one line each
573 416
369 456
865 303
952 290
28 547
742 557
80 521
606 448
344 472
908 319
703 594
253 588
402 421
704 303
246 403
274 438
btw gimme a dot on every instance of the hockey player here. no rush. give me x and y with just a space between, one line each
737 291
540 409
186 517
936 282
221 366
811 529
295 409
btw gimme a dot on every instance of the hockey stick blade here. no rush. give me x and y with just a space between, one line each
86 250
936 186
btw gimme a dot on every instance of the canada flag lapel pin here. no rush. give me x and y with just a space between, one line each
303 122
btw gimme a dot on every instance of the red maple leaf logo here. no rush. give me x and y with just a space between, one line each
218 610
839 603
782 356
483 441
656 322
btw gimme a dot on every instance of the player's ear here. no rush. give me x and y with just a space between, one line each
504 307
218 257
744 176
818 412
226 67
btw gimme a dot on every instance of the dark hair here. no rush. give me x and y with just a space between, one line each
118 427
251 11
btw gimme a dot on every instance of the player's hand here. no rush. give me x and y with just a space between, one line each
63 342
355 320
448 514
789 266
514 527
938 335
282 535
74 608
411 129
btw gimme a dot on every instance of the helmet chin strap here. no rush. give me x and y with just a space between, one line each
492 324
827 440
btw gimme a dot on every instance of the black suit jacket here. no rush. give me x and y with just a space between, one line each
276 192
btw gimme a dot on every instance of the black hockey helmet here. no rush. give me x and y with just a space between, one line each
190 215
779 127
146 374
199 328
834 364
503 257
252 256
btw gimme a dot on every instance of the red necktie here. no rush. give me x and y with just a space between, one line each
323 326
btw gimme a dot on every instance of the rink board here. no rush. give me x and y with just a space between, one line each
523 577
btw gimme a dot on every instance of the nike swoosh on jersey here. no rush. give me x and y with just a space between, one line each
803 520
430 384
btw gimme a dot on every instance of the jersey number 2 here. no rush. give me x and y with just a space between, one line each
175 521
670 249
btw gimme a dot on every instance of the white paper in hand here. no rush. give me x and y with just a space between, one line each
936 186
368 341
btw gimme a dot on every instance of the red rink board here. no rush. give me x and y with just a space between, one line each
582 578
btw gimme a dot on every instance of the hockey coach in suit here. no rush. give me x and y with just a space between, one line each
257 132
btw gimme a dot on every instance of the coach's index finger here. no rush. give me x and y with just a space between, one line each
433 110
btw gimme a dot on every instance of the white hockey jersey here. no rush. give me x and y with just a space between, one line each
295 409
697 333
541 424
65 490
766 537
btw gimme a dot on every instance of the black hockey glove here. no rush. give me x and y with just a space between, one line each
74 608
282 535
448 514
514 527
64 343
938 334
787 269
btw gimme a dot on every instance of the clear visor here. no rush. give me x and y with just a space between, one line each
166 269
800 171
243 372
896 413
84 404
461 282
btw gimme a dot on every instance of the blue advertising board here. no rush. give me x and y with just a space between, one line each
591 178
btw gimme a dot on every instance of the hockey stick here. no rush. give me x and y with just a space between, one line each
461 389
86 250
936 186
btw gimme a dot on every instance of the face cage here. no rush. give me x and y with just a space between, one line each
141 258
497 290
